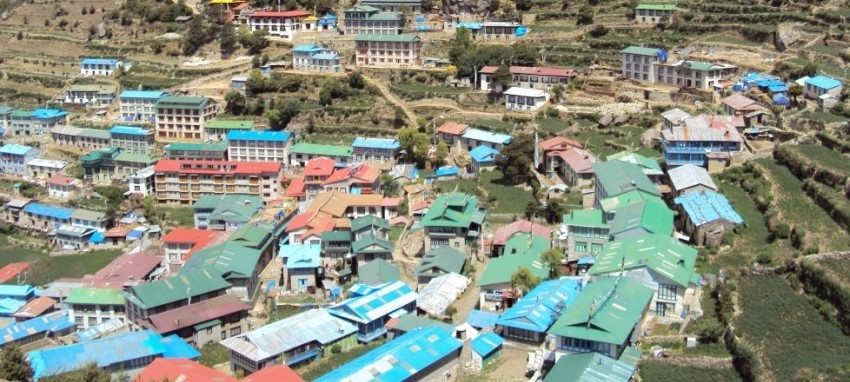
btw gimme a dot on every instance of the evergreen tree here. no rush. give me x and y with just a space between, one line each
227 40
13 364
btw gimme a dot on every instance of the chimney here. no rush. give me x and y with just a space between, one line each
177 322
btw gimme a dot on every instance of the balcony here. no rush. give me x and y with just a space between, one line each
368 337
301 357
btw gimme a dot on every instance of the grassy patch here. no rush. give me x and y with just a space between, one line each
840 268
328 139
419 88
754 234
823 116
181 216
732 40
830 50
395 233
279 313
213 354
789 332
47 269
502 199
668 371
333 361
825 158
604 142
489 124
551 125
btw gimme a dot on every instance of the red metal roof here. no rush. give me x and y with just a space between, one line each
214 167
559 143
36 307
531 70
12 270
180 369
197 313
322 166
61 180
117 232
123 269
503 233
283 14
296 188
279 373
452 128
579 160
391 202
361 174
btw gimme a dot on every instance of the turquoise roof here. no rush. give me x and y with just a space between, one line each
487 343
704 207
540 307
301 256
823 82
486 136
15 149
384 300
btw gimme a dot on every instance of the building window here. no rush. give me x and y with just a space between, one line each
437 243
595 248
581 246
235 331
667 292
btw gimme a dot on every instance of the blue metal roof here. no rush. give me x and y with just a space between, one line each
400 359
376 143
381 302
129 130
486 136
144 94
19 291
108 351
98 237
468 25
53 322
99 61
15 149
541 306
587 260
487 343
266 135
707 206
447 171
48 113
301 255
9 306
481 319
307 48
59 213
325 56
823 82
778 88
484 154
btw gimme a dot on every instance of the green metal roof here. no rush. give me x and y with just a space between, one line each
451 210
594 367
385 16
648 164
657 7
387 37
208 324
369 221
95 296
378 271
230 260
176 288
319 149
230 207
178 102
95 133
362 8
236 124
662 254
191 146
6 109
144 158
365 244
637 209
605 311
253 235
446 259
701 66
517 254
640 50
617 177
586 218
336 236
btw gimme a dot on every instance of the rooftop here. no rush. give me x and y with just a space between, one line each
123 270
443 259
704 207
369 221
99 61
687 176
441 292
521 251
197 146
183 370
182 102
15 149
241 124
376 143
200 312
95 296
228 207
452 128
319 149
410 322
616 177
378 272
277 373
58 213
540 307
641 51
216 167
483 154
51 322
282 14
525 92
263 136
532 70
230 260
387 37
144 94
662 254
505 232
637 209
451 210
823 82
487 343
50 163
657 7
301 256
387 299
648 165
176 288
130 130
595 367
95 133
586 218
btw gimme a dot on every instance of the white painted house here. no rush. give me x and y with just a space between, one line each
527 100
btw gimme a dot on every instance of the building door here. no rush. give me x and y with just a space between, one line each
660 309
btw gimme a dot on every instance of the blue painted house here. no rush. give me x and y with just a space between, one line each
14 157
303 262
383 150
486 348
371 312
36 122
473 138
483 158
702 141
530 318
138 105
314 58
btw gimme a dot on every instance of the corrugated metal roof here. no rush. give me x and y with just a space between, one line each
487 343
444 259
179 287
39 209
484 154
319 149
99 61
823 82
486 136
480 319
689 175
400 359
263 136
617 177
389 298
525 92
302 256
200 312
520 251
376 143
95 296
143 94
441 292
378 272
289 333
706 206
541 307
663 254
592 367
129 130
15 149
53 322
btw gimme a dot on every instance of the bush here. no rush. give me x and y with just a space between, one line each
709 329
336 349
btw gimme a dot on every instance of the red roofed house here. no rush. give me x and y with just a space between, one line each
451 132
528 77
279 373
183 182
749 109
124 271
572 165
505 232
281 24
12 270
361 179
180 369
202 322
553 144
61 186
316 172
296 189
35 308
181 242
332 210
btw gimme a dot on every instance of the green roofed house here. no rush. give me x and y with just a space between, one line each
225 212
238 265
616 177
99 164
438 262
378 272
453 220
196 151
604 318
336 244
396 50
127 163
521 251
593 367
88 307
93 139
300 153
261 236
654 13
217 129
583 233
654 65
182 118
636 213
369 248
370 225
650 166
659 262
366 19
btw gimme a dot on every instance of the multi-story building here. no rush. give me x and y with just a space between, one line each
639 63
39 168
704 140
654 13
451 132
301 265
139 105
493 30
43 216
99 66
183 182
93 95
330 209
93 139
141 181
128 163
131 139
99 163
527 100
36 122
6 116
259 146
583 233
367 19
183 118
61 187
217 129
541 78
200 323
371 312
615 177
283 24
88 307
381 150
225 212
14 157
473 138
387 50
452 221
196 151
180 243
84 218
574 166
301 153
313 58
650 65
414 6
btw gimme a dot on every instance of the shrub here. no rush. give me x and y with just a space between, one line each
709 329
336 349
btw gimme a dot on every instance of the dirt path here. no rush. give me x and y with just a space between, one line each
391 97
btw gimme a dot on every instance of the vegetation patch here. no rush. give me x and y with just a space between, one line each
669 371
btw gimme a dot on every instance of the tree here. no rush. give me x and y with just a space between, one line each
557 92
553 259
811 70
532 209
555 209
525 55
709 329
235 103
795 91
388 185
13 364
764 259
356 80
523 280
460 44
195 37
255 42
157 46
501 78
585 15
280 116
515 160
227 40
415 143
441 154
523 5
